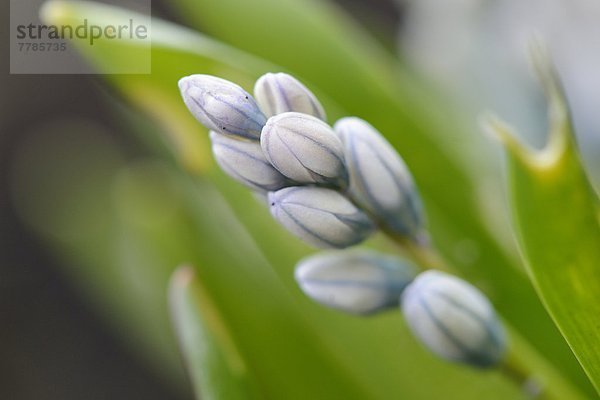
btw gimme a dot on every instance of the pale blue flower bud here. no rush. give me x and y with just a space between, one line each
453 319
319 216
222 106
379 180
305 149
356 281
245 162
277 93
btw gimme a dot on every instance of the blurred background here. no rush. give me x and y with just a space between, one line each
53 342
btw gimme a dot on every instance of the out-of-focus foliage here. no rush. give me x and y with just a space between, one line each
215 365
156 217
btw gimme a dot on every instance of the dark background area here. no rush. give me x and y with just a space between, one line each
52 345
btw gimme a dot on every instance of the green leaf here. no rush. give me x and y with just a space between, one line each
215 365
555 213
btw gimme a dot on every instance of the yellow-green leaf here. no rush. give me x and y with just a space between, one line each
555 215
216 367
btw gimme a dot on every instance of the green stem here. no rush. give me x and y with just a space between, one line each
424 255
512 367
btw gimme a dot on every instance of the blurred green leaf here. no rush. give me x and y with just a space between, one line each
63 189
555 213
215 365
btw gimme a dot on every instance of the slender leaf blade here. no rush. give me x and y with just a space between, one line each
555 215
215 365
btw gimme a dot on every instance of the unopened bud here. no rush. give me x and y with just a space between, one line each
356 281
245 162
379 180
305 149
222 106
453 319
319 216
277 93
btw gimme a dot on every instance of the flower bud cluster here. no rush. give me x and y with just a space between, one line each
452 318
331 187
